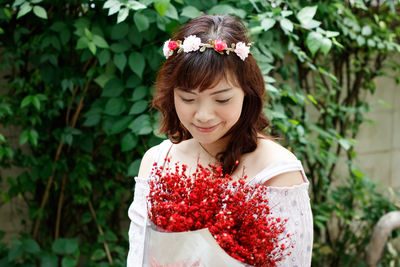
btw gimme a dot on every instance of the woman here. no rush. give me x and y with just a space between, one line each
211 94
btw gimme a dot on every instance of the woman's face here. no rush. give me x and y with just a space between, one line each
210 114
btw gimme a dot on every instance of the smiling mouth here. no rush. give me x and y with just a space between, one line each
206 129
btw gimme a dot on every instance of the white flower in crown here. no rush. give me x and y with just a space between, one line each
166 49
242 50
191 43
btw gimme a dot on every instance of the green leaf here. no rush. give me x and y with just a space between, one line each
306 14
68 262
359 174
227 9
26 101
121 125
92 120
366 30
119 31
82 43
122 15
141 125
111 3
141 21
137 63
312 99
40 12
129 142
286 24
345 144
31 246
360 40
99 41
2 138
24 137
190 12
330 34
135 5
113 88
104 56
311 24
115 106
16 250
161 6
88 34
36 102
33 137
267 23
133 169
138 107
110 236
326 45
98 254
139 93
25 9
120 61
286 13
49 260
120 47
86 217
92 48
65 246
313 42
371 43
171 12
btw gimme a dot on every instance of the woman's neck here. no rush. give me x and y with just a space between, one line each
215 148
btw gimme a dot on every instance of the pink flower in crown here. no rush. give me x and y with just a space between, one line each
220 45
242 50
191 43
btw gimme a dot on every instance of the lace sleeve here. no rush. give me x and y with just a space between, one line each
138 214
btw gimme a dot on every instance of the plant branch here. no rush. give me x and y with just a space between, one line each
58 153
92 211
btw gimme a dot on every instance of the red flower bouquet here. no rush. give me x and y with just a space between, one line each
236 215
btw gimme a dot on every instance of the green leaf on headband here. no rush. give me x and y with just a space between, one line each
161 6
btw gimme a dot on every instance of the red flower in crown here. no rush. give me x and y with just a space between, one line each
220 45
172 45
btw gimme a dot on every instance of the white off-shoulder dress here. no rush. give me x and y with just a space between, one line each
285 202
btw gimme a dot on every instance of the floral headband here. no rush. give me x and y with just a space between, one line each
193 43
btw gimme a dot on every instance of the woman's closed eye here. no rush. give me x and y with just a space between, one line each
187 100
221 101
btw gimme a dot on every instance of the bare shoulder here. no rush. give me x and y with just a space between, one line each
147 162
274 152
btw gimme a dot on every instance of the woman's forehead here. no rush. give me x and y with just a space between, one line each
223 82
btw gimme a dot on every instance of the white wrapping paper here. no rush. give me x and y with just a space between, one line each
184 249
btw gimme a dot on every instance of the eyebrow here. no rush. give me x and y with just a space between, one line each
214 93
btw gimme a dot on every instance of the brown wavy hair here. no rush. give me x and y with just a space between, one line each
204 70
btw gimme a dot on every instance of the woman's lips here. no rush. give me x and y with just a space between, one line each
206 129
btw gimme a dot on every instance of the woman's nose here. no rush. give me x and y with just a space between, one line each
204 113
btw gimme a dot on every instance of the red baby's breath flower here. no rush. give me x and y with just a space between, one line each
236 214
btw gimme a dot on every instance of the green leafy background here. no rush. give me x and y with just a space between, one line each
77 85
